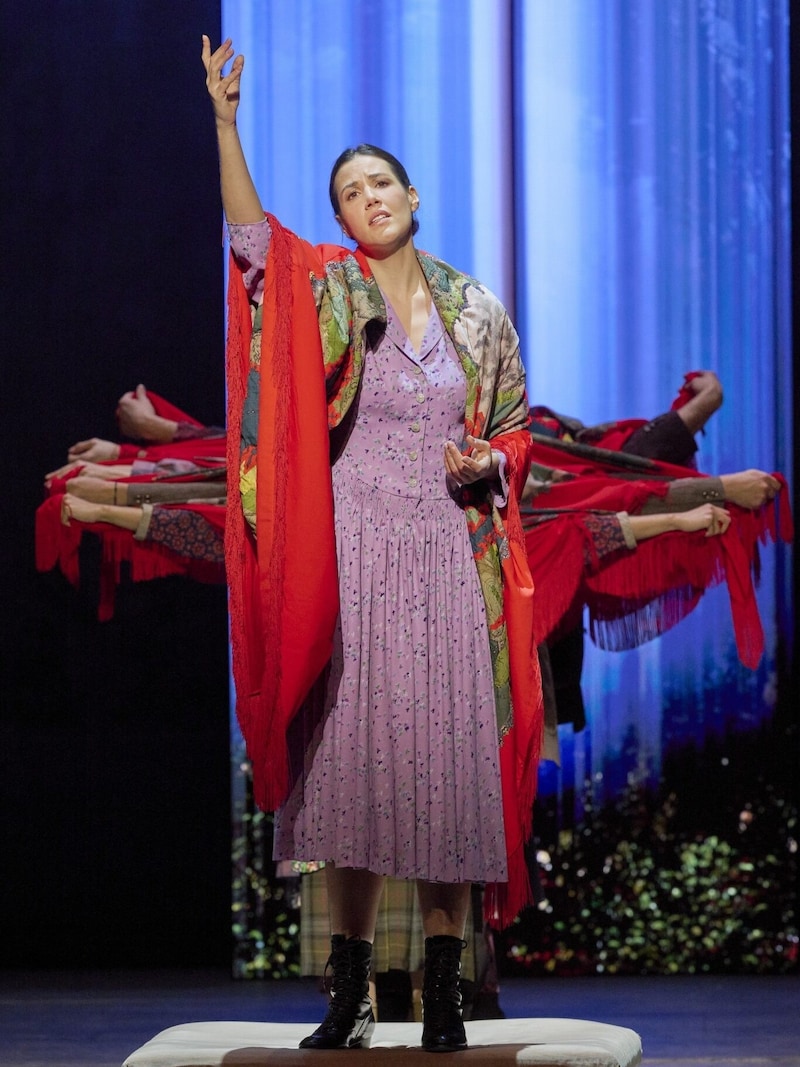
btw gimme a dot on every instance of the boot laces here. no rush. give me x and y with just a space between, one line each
348 984
442 972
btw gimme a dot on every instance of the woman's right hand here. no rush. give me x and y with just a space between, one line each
95 470
93 450
72 507
222 88
750 489
714 520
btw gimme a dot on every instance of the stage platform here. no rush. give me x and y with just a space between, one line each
492 1043
100 1019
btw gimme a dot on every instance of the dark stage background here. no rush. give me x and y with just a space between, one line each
114 738
114 809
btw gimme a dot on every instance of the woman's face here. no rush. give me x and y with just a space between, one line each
374 206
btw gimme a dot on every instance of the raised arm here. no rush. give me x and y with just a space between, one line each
706 390
240 200
137 418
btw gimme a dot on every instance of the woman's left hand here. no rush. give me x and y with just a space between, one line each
479 461
95 470
98 490
714 520
73 507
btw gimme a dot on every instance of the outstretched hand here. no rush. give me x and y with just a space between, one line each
705 383
750 489
72 507
222 88
137 418
97 490
698 399
104 471
479 461
708 517
93 450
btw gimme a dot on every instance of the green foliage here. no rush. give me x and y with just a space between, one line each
265 915
699 876
631 891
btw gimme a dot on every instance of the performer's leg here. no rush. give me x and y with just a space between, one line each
354 896
444 913
444 907
353 899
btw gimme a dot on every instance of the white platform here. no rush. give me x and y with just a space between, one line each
501 1042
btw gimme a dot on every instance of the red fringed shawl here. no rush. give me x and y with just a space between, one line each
58 545
284 585
284 593
634 596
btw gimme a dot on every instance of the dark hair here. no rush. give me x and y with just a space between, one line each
396 166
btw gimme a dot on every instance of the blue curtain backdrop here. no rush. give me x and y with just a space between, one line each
618 172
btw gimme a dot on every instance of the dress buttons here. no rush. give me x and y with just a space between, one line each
421 397
413 482
413 455
415 427
418 370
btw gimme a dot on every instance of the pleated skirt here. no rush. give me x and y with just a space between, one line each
395 752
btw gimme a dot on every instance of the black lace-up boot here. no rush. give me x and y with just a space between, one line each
442 1024
349 1021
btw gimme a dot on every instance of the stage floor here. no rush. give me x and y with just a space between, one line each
96 1019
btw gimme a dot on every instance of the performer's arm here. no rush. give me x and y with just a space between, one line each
240 200
708 517
749 489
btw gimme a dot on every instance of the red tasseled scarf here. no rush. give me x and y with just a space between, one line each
645 593
520 748
58 545
284 590
296 552
168 410
635 596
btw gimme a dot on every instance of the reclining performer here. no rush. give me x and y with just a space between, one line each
146 417
160 507
587 476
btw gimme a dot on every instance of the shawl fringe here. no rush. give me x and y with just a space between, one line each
634 597
520 747
283 586
59 545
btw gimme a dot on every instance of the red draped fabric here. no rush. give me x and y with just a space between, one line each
634 596
284 586
58 545
284 592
